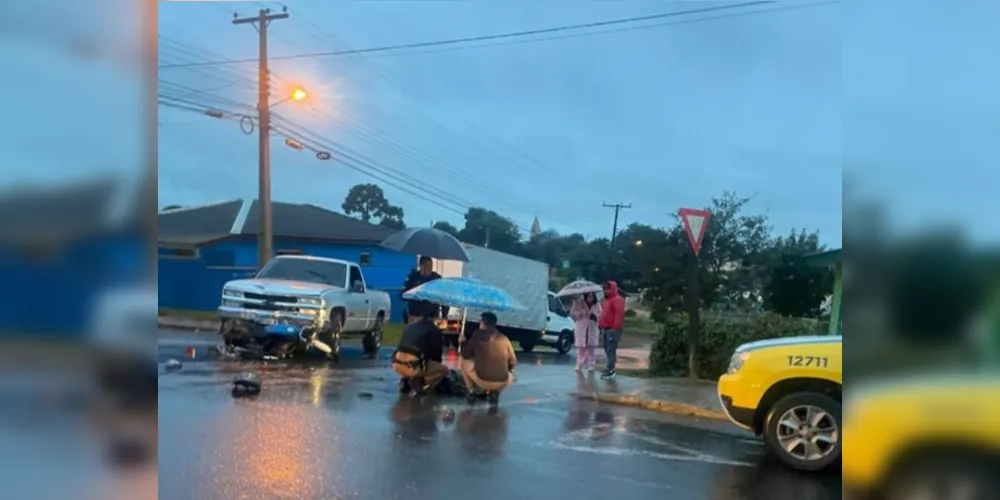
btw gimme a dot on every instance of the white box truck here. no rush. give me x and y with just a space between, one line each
543 322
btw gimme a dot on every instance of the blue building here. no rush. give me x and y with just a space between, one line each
62 247
201 248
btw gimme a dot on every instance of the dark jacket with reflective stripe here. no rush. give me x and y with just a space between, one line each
423 339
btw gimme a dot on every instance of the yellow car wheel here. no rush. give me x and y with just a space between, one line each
803 431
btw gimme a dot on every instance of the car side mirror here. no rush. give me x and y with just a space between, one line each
358 287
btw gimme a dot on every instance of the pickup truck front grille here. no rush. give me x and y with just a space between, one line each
271 298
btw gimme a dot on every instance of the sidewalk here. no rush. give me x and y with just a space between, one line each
696 398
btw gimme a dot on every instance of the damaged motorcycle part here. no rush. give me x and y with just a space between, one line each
246 384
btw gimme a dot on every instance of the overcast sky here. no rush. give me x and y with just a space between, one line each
776 105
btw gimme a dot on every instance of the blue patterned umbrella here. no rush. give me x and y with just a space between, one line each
466 293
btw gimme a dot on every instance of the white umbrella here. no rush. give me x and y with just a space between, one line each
579 287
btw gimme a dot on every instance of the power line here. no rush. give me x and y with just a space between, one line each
783 8
614 228
369 133
498 36
351 159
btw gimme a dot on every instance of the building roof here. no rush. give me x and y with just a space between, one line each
202 224
825 259
70 211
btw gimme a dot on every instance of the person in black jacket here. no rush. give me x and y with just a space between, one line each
418 359
416 309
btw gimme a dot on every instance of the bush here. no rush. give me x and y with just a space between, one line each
629 313
720 336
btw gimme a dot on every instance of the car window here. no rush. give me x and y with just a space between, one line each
308 270
555 306
356 276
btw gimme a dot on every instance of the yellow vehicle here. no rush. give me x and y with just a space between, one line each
928 437
789 391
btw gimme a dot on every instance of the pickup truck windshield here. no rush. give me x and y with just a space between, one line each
310 271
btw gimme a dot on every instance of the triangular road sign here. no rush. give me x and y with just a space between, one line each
695 223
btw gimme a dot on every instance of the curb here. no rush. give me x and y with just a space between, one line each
181 323
652 404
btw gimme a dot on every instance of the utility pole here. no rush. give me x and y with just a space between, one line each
614 233
264 237
614 229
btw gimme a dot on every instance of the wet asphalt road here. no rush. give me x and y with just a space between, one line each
343 432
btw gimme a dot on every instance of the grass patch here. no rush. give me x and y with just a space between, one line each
392 333
634 373
637 325
190 314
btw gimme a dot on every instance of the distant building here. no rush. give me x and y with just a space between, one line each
536 228
203 247
62 247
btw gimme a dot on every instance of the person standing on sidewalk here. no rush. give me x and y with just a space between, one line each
611 321
585 312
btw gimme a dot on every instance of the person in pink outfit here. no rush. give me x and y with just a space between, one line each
585 312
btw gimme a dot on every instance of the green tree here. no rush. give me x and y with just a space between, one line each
446 227
488 228
368 203
391 217
794 288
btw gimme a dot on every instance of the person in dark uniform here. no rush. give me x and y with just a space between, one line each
418 359
417 309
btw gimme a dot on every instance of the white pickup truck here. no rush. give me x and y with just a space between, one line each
300 302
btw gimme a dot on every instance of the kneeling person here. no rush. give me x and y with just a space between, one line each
488 360
417 360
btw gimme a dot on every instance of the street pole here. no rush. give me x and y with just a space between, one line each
614 234
694 315
264 236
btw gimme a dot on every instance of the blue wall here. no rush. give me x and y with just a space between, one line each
196 283
55 294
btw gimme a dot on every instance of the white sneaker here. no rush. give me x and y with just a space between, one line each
578 369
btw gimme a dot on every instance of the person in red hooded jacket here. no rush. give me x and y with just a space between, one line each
611 322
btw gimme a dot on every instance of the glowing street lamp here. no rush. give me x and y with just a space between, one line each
297 94
638 243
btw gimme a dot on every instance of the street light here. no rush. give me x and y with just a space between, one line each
638 243
297 94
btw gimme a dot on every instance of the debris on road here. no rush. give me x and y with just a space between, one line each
246 384
172 365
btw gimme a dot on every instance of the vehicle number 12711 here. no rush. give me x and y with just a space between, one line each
817 361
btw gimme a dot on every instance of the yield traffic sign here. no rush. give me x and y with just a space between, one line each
695 223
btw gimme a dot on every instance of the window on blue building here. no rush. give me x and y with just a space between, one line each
219 258
365 259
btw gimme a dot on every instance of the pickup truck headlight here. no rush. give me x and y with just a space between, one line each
310 301
736 362
231 293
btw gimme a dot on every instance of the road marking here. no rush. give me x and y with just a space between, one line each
637 482
702 458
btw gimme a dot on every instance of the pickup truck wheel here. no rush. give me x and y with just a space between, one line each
803 431
372 340
332 335
565 342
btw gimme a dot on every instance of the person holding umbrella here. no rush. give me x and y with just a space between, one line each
418 309
585 312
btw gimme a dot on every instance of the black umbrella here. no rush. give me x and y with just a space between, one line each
427 241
